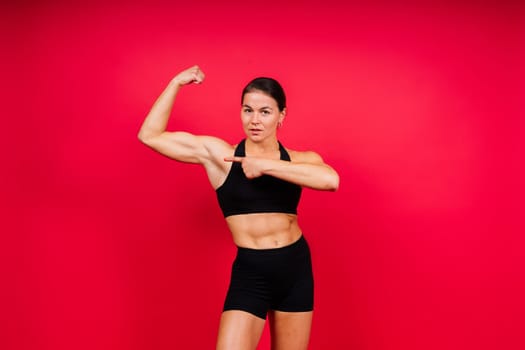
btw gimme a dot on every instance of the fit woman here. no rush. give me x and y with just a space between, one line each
258 184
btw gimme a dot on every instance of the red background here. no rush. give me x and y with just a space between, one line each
108 245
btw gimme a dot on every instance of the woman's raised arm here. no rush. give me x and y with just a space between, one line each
178 145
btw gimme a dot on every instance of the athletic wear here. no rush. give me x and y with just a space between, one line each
264 194
272 279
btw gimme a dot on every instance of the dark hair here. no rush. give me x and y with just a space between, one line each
269 86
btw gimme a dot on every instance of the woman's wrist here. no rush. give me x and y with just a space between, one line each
176 83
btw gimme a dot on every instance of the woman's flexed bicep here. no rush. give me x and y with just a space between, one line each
186 147
182 146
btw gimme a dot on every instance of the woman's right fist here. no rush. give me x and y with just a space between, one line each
190 75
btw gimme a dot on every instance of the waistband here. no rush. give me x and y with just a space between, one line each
298 244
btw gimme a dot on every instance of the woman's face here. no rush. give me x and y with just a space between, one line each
260 115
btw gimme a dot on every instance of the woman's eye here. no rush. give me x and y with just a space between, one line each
265 112
246 110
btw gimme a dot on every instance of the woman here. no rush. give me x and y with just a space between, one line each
258 184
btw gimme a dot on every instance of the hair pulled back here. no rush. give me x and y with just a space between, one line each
268 86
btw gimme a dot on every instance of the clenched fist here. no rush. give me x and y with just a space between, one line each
188 76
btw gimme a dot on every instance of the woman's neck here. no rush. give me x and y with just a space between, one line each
264 147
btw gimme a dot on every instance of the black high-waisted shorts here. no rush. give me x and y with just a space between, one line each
272 279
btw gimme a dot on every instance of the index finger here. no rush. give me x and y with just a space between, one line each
233 159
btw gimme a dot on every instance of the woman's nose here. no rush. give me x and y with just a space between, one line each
255 118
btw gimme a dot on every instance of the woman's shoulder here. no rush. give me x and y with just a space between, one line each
304 156
217 146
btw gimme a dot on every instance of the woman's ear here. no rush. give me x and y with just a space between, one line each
282 115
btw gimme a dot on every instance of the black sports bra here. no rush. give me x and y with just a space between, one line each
264 194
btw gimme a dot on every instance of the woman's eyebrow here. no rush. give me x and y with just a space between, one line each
264 107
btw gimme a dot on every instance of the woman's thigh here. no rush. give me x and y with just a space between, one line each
239 330
290 330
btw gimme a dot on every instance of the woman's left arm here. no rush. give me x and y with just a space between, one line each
306 169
